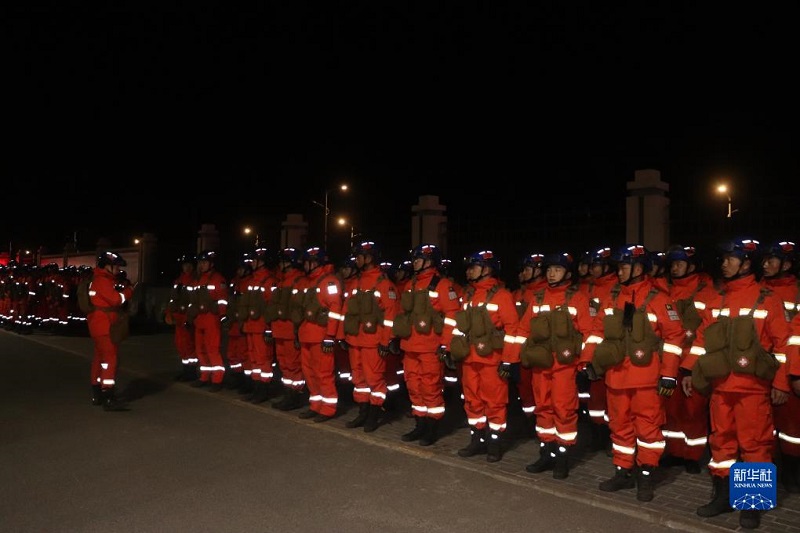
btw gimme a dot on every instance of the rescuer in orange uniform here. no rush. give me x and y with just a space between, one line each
553 333
639 353
107 301
485 345
368 315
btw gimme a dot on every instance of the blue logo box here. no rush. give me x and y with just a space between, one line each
753 486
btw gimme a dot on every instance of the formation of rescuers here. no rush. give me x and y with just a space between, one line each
650 347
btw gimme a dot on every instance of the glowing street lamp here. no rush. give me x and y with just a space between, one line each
342 187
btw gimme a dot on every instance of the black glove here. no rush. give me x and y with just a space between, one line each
509 372
582 381
442 352
343 345
591 373
327 345
268 336
223 319
383 350
666 386
394 346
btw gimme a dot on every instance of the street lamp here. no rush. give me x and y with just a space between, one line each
342 187
723 189
343 222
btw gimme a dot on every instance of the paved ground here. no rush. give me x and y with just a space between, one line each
678 494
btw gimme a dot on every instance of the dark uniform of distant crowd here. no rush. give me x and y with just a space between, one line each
672 363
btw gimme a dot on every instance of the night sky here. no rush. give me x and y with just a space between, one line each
126 118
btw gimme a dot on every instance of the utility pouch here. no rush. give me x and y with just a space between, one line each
612 327
483 345
540 328
716 335
568 350
498 339
766 366
401 326
407 301
463 322
371 320
351 324
607 354
423 323
700 382
536 355
459 348
713 365
690 318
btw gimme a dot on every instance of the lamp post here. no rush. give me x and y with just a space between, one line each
342 187
723 189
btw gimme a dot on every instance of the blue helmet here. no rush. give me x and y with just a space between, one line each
207 255
316 254
483 258
533 260
633 253
783 250
367 248
291 256
681 253
741 248
110 258
427 251
563 259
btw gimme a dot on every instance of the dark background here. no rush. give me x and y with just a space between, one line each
124 118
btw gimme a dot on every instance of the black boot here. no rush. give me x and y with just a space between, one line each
719 499
373 418
188 373
546 460
431 434
750 518
790 473
494 448
645 485
233 380
477 443
246 386
111 403
418 431
260 393
97 395
622 479
292 399
561 464
359 420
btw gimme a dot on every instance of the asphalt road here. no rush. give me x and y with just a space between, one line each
187 460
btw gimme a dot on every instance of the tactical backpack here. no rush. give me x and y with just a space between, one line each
478 329
82 293
552 332
627 333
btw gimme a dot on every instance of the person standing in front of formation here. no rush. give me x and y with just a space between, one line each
639 355
743 376
484 345
106 301
284 330
555 337
686 429
424 325
208 306
321 311
778 264
368 315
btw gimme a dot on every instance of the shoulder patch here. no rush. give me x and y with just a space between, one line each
392 294
451 293
333 288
